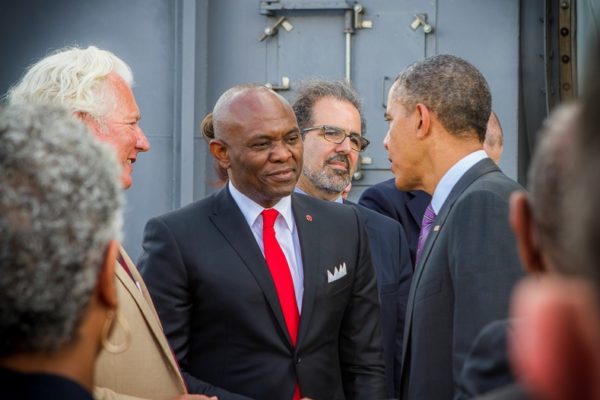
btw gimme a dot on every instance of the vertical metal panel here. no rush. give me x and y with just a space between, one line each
185 63
486 33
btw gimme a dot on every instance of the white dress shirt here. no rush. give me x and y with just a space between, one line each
285 231
453 175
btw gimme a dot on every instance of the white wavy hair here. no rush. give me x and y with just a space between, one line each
73 78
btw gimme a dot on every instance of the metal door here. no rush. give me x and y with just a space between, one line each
311 43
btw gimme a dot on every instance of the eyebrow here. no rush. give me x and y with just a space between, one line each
294 130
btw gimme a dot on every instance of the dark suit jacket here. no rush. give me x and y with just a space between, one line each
393 267
39 386
220 311
510 392
462 281
487 366
405 207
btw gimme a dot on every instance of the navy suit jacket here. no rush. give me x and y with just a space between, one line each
462 281
405 207
487 366
393 267
221 314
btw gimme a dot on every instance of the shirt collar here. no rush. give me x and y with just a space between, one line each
251 209
448 181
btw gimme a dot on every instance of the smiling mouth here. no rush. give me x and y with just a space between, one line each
283 176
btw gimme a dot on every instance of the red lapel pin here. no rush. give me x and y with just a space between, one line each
308 217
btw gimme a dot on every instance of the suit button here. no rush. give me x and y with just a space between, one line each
298 360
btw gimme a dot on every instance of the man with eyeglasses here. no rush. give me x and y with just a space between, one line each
330 121
263 292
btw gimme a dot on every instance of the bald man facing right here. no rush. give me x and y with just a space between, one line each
493 143
263 292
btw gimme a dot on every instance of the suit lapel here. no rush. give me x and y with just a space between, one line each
481 168
230 221
416 204
146 306
309 237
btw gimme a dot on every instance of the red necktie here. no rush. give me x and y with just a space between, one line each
282 277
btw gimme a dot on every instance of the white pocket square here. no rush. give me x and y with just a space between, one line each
338 272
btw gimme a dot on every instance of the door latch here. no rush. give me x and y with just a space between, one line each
272 30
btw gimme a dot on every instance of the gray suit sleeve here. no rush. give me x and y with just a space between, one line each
361 348
484 267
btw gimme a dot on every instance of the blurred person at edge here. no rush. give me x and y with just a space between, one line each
59 227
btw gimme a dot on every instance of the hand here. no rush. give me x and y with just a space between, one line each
195 397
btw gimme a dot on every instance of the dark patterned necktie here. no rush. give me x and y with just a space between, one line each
426 223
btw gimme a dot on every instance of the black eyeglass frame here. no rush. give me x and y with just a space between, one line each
363 141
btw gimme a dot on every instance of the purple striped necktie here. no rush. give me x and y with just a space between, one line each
426 223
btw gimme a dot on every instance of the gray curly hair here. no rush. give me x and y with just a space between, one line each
60 206
74 78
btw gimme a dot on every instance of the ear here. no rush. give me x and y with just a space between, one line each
107 289
424 123
521 221
220 152
554 347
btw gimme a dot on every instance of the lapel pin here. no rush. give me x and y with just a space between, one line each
309 217
436 228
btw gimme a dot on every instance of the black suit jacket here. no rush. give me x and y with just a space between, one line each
393 267
405 207
462 281
220 311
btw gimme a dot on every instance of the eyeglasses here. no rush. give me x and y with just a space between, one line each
337 135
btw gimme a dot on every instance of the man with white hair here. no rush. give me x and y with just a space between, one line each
95 85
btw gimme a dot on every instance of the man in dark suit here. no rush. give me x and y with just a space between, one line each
408 207
262 292
405 207
330 121
467 261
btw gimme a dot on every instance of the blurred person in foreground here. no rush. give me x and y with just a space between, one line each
60 221
556 344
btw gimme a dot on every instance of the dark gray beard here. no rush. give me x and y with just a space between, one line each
327 179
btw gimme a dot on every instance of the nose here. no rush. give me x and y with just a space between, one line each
280 151
344 147
142 143
386 140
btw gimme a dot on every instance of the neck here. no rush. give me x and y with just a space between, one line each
308 188
74 361
444 155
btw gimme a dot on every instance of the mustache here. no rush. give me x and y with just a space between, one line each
339 158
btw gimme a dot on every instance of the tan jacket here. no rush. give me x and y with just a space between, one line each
147 369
